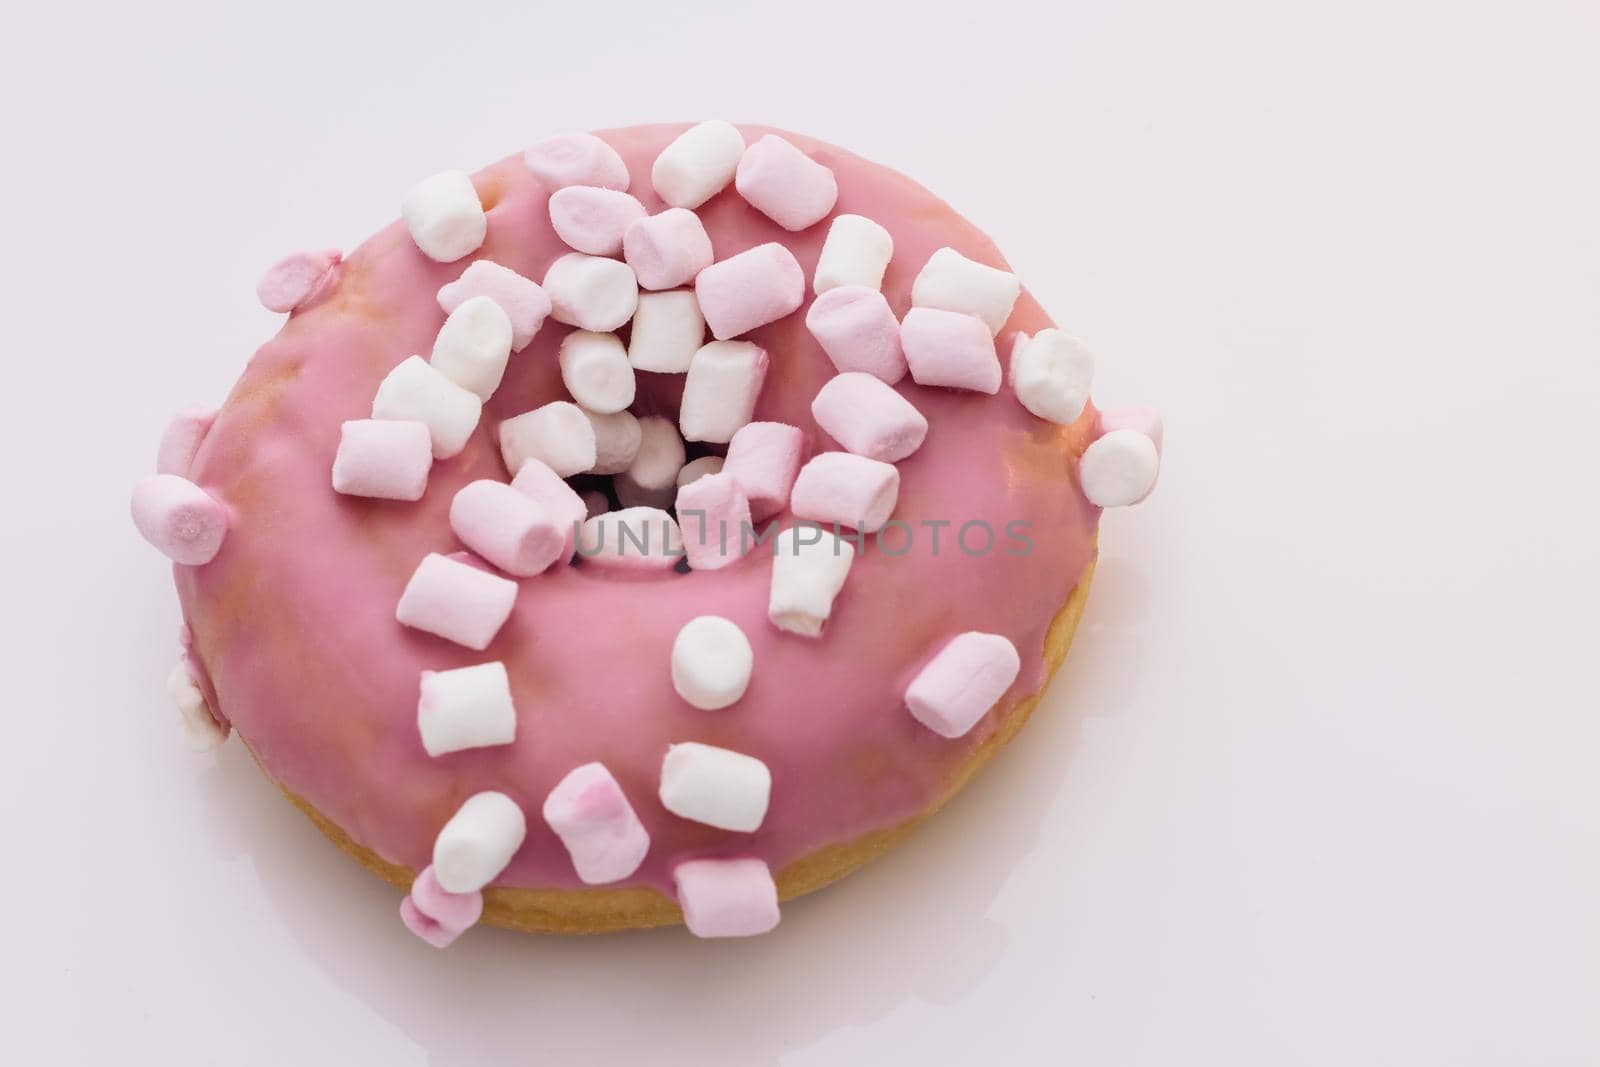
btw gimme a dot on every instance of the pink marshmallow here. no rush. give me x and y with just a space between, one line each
456 601
506 527
296 280
785 184
536 481
751 289
437 915
714 515
576 159
868 417
764 458
951 349
592 219
181 440
857 329
589 812
667 250
522 299
842 489
726 898
384 458
962 682
1145 420
179 518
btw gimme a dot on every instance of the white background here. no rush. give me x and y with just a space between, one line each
1318 785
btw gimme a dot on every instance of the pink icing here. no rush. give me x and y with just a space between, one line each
295 622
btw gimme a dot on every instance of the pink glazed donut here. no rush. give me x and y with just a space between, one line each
481 695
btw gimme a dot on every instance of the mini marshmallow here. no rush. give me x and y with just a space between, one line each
720 390
1051 373
809 566
536 481
294 280
667 331
962 682
869 418
590 814
456 601
857 252
751 289
727 898
696 469
636 539
593 220
698 164
1119 468
523 301
715 786
652 478
714 515
764 458
952 282
180 442
843 489
478 842
616 441
473 346
857 329
951 349
711 662
557 434
785 184
668 249
416 391
437 915
381 458
576 159
444 216
591 292
200 728
469 707
507 528
1145 420
184 522
595 370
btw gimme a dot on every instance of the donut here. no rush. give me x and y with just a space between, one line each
652 527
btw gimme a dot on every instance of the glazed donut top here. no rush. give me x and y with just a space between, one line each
293 622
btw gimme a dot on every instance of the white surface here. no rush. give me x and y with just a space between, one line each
1318 784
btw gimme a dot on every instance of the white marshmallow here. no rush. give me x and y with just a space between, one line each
1119 468
698 164
591 292
592 219
469 707
1051 374
558 434
444 216
668 330
638 539
711 662
388 459
616 441
959 685
200 729
523 301
595 370
473 346
416 391
952 282
696 469
478 842
652 478
809 567
856 252
844 489
715 786
720 391
589 812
